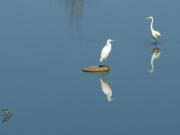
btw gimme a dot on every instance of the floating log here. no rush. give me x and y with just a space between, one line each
96 69
97 73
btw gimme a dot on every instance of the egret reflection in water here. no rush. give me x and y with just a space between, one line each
104 85
106 89
155 54
74 10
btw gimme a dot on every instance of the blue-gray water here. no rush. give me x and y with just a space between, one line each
44 44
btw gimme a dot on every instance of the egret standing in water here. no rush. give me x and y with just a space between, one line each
155 34
106 50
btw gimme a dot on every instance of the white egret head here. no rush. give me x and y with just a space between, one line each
110 40
150 17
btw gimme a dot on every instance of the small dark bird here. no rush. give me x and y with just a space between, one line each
5 111
6 118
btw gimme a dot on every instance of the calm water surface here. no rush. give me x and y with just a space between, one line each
44 44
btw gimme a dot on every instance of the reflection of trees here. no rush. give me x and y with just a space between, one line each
74 10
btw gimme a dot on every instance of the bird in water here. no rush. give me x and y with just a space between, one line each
106 50
5 111
155 34
106 89
155 54
7 115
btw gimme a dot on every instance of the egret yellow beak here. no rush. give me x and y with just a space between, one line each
111 99
147 18
112 40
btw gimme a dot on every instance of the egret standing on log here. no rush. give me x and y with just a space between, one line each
106 50
155 34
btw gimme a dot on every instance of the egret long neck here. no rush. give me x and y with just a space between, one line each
152 63
152 21
108 44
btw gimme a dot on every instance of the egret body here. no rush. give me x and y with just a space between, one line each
106 50
106 89
155 34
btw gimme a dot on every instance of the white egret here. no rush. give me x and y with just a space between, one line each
106 50
106 89
155 34
155 54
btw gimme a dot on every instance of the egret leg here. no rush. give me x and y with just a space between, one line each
103 77
155 42
101 65
104 64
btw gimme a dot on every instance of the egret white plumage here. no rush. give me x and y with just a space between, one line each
155 34
106 50
155 54
106 89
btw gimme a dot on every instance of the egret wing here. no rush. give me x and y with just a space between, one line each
104 53
105 87
158 33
